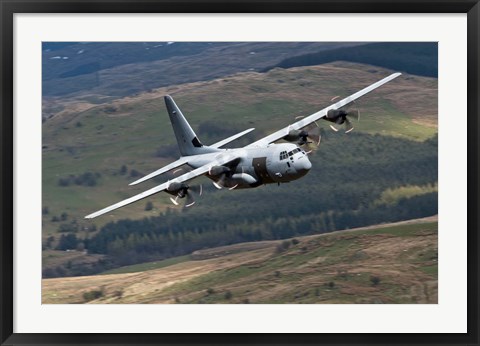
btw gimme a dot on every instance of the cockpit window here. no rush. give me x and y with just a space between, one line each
284 154
294 151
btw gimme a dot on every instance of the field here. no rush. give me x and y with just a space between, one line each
391 264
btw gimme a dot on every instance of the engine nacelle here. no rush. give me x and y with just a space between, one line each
179 189
296 136
334 114
218 170
243 178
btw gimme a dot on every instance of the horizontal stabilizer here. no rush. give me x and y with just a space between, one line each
231 139
178 163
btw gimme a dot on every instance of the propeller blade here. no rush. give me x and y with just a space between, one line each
174 201
218 186
333 128
177 171
354 113
189 200
348 126
198 189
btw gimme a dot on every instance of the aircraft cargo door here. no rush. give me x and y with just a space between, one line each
260 167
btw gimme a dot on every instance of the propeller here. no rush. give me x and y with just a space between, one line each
310 136
182 191
219 171
340 116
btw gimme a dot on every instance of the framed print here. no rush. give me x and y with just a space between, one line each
239 173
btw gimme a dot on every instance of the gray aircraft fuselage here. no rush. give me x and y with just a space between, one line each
276 163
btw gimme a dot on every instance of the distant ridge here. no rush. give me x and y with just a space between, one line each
419 58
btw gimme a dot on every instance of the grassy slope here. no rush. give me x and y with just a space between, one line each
88 138
331 268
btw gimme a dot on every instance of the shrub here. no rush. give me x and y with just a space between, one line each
49 242
67 242
118 294
92 295
68 227
63 182
81 246
375 280
134 173
87 179
228 295
284 245
149 206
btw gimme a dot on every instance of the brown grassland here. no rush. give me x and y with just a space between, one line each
394 263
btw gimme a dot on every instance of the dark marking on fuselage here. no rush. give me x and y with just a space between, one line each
260 168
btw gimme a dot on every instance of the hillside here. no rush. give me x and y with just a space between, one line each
395 263
99 70
383 171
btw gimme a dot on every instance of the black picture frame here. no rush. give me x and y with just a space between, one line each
10 7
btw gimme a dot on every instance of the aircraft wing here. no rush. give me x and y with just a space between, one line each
175 164
221 159
320 114
230 139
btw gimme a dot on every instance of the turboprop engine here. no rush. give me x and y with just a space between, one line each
228 178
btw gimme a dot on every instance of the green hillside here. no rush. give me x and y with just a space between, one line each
92 151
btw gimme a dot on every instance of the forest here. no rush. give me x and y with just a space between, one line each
343 190
419 58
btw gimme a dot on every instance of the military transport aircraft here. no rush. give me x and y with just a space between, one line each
261 162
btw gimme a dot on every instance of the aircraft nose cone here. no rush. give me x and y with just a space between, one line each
303 165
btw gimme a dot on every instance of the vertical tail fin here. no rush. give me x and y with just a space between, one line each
187 140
